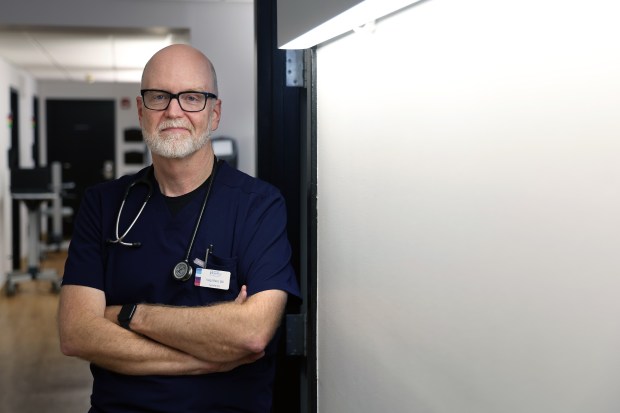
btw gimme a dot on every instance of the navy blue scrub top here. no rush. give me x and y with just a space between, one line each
244 220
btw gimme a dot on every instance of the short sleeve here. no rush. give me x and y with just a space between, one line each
266 253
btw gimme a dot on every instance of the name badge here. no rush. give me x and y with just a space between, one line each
212 278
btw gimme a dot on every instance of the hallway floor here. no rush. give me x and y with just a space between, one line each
34 375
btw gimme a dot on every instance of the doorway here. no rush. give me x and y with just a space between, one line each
81 136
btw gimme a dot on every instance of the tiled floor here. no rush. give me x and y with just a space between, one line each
34 375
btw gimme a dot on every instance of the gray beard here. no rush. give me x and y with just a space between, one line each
174 147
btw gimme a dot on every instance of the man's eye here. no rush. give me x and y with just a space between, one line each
192 98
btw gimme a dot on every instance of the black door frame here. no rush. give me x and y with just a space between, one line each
36 144
14 155
286 157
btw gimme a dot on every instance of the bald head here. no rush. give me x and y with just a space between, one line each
179 67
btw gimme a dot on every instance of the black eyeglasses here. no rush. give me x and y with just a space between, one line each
189 101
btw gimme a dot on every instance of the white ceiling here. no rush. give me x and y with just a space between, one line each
84 55
88 55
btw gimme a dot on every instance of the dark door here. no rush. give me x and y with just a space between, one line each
80 135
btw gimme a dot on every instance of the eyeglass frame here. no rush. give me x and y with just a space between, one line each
207 95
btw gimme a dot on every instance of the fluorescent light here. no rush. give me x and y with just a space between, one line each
356 16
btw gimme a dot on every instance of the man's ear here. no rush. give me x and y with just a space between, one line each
217 114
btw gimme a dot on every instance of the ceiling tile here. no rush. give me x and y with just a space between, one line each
102 55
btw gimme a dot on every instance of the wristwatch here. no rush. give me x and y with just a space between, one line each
126 314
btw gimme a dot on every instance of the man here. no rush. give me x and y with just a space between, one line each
177 277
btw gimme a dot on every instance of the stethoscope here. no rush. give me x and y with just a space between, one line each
121 239
183 270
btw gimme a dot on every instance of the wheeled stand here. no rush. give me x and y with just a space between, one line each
33 202
34 187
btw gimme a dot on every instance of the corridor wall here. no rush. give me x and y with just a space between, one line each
13 78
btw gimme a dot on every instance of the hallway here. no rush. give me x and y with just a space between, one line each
34 375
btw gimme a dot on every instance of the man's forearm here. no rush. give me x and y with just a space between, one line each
222 333
142 356
128 353
86 334
97 340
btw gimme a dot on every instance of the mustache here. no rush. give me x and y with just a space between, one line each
174 123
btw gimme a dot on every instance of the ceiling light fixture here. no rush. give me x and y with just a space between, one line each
356 16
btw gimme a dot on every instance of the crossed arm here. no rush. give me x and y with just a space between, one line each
168 340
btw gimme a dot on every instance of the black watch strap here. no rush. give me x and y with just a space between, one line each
126 314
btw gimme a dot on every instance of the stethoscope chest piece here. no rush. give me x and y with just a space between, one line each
182 271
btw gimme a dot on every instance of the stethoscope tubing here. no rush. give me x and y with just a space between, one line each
183 270
202 211
120 239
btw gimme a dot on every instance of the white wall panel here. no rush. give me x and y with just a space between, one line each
469 198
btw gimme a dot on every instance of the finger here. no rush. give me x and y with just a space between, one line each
243 295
